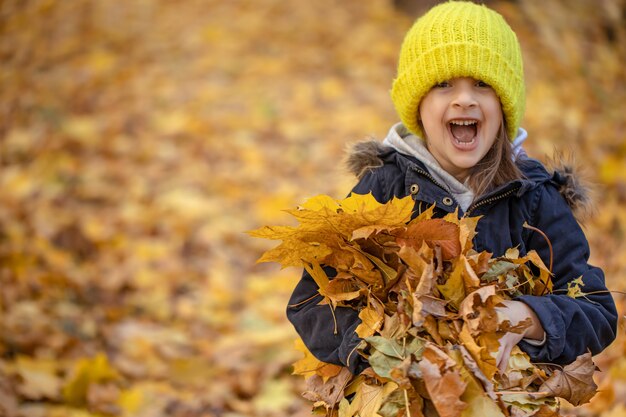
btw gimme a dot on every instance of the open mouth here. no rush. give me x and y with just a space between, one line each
464 131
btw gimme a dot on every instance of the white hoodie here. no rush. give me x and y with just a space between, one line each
407 143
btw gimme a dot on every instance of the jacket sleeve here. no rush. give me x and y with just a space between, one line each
573 325
330 338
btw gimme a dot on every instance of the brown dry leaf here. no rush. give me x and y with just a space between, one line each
479 262
443 382
574 383
470 278
478 310
39 379
339 289
330 391
484 358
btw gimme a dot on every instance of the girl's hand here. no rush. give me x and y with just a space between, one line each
516 312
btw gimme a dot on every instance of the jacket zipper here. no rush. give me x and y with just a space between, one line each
473 206
491 200
430 177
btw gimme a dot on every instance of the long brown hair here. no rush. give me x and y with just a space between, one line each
496 168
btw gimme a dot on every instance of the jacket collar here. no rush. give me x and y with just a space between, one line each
564 175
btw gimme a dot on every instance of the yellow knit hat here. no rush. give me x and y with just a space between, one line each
459 39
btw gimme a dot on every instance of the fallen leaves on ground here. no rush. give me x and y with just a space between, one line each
138 142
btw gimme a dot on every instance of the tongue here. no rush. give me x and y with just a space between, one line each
463 133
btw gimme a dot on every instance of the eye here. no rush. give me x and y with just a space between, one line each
482 84
442 84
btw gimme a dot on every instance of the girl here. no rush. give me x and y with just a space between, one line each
459 93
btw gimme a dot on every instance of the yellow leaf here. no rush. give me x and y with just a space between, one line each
87 371
274 232
424 215
131 400
318 275
364 210
454 289
512 253
573 288
479 404
275 397
369 398
309 365
293 252
371 320
320 202
467 232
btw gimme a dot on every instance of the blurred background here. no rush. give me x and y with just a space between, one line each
139 140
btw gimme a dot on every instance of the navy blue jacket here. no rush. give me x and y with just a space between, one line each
572 325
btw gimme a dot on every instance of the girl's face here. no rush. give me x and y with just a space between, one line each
461 118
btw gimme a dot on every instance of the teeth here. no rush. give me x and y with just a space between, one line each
463 122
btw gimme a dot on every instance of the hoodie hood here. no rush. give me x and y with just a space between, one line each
407 143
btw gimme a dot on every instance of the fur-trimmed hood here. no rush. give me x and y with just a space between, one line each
563 172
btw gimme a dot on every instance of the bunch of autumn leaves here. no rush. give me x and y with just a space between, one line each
427 303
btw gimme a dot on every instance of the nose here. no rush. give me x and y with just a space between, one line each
464 97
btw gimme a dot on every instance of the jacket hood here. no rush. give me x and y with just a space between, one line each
564 173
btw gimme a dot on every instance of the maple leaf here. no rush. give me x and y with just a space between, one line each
293 252
574 382
396 211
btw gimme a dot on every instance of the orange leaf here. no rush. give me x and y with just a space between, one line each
435 232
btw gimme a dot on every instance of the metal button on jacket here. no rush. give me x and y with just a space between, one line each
447 201
414 189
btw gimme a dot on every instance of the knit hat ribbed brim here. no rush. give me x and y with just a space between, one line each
459 39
